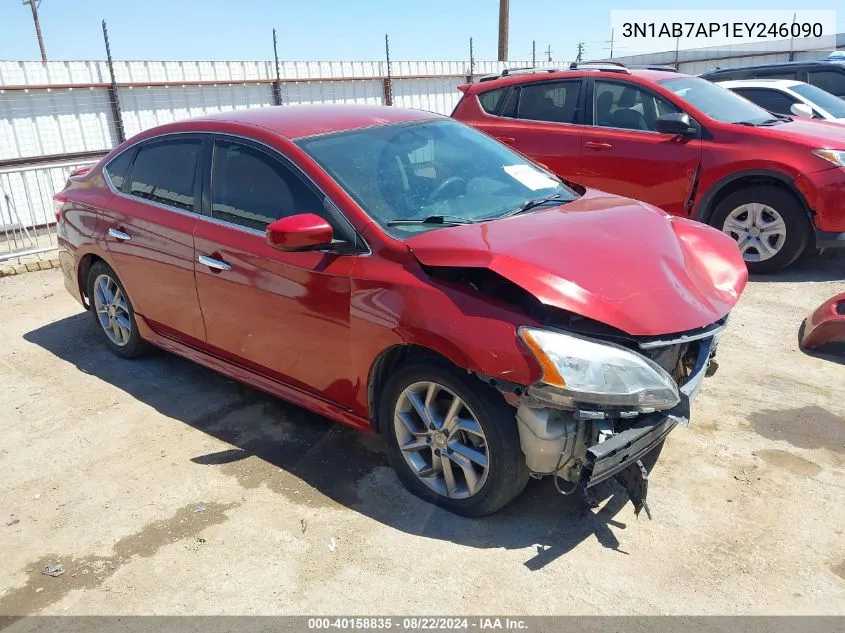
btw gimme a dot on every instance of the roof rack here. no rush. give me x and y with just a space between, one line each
611 67
518 71
667 69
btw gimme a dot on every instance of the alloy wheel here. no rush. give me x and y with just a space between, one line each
112 310
441 440
759 231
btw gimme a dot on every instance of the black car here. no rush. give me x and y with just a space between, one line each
828 75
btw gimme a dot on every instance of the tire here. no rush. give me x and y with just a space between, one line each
115 321
474 494
775 248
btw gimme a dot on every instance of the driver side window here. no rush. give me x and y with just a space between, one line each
628 107
252 189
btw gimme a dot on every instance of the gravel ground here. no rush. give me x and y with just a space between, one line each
161 487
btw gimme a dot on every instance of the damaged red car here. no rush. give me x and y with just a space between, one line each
400 272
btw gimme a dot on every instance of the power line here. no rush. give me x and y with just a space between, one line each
34 6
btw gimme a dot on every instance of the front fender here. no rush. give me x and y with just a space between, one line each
703 208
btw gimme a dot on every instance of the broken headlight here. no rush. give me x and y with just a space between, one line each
580 370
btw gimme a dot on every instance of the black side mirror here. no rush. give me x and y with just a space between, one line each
674 123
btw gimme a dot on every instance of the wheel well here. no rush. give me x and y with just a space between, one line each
752 181
82 275
387 363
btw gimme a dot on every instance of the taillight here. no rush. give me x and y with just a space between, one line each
59 201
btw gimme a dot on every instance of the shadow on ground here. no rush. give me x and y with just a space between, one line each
323 463
828 266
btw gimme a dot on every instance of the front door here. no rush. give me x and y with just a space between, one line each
283 314
623 154
148 230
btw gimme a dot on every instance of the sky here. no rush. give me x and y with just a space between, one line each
323 29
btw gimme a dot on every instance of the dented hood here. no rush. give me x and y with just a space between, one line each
607 258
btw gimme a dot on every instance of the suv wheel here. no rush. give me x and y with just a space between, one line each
113 312
769 226
452 440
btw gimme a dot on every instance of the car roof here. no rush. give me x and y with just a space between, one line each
548 75
808 62
298 121
760 83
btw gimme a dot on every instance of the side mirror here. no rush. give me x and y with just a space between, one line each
301 232
801 110
674 123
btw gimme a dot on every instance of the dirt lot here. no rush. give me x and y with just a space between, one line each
162 487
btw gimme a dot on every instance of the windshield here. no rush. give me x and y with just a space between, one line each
822 98
716 102
431 169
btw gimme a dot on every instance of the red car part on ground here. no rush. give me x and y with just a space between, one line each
826 325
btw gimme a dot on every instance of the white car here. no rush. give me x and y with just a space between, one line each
786 96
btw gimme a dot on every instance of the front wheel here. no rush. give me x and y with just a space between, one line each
769 225
451 439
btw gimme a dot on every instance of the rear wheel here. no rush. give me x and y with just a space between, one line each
769 225
452 440
113 312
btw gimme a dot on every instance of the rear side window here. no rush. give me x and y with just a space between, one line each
772 100
252 189
829 80
118 167
550 101
165 172
492 100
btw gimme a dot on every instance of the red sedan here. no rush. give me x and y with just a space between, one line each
398 271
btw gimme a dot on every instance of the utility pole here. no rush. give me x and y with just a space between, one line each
33 4
504 11
581 49
549 53
611 43
533 53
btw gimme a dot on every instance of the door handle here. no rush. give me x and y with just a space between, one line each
119 235
506 139
212 263
597 145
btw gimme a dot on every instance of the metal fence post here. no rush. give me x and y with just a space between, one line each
277 85
471 63
113 97
388 81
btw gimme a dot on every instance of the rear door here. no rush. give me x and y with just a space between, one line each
148 227
282 314
541 120
623 154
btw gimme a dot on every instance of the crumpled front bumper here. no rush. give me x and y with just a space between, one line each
608 458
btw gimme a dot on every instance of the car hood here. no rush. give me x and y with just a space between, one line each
611 259
815 133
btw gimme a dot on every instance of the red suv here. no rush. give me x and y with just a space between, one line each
398 271
692 148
